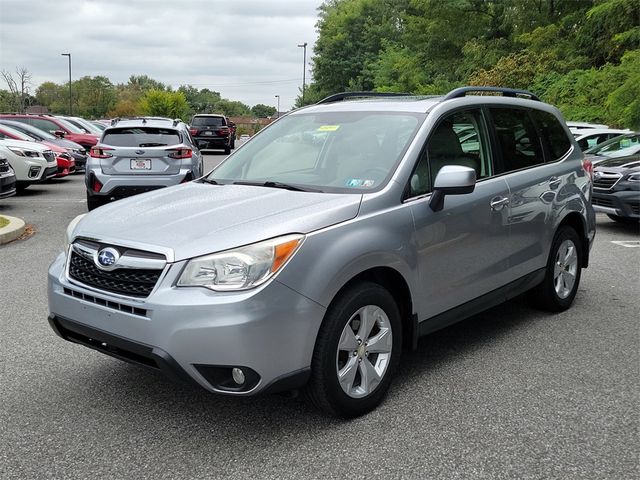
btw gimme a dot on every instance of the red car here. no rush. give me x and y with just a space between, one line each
66 164
56 126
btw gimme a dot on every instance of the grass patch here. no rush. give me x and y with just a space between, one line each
3 221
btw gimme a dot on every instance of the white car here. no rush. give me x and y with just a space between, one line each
592 137
582 127
31 161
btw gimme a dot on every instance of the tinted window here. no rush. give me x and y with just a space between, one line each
141 137
208 121
459 139
518 139
553 134
42 124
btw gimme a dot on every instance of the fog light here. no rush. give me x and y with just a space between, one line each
33 172
238 375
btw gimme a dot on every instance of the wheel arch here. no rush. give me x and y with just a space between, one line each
577 222
393 281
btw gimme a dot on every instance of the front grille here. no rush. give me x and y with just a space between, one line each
602 202
4 166
125 281
50 156
606 181
635 208
106 303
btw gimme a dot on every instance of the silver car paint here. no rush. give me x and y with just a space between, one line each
442 263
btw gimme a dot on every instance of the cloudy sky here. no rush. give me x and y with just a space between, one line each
244 49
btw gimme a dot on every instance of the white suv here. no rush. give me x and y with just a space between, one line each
31 162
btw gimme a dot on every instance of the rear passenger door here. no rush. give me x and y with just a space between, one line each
525 139
461 248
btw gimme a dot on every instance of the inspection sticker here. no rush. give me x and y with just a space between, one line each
328 128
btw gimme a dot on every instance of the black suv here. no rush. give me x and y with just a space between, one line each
616 189
211 131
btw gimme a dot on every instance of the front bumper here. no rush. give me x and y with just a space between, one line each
623 203
205 142
7 185
190 332
65 167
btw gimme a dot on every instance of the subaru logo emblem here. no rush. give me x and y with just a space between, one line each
107 258
597 175
139 152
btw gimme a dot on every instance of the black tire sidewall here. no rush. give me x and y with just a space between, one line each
552 299
325 359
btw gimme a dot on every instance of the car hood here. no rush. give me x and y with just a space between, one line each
66 143
195 219
620 164
38 147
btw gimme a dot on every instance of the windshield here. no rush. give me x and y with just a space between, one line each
616 143
84 125
333 152
69 126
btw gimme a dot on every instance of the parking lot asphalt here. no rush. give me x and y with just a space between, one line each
510 393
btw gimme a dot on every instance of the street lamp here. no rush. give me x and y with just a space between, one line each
69 55
278 108
304 67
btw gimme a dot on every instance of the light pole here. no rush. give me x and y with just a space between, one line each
304 67
69 55
278 107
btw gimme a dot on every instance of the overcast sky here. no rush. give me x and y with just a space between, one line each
244 49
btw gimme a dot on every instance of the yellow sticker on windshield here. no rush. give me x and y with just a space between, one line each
328 128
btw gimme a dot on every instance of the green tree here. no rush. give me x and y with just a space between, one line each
162 103
200 101
263 111
93 96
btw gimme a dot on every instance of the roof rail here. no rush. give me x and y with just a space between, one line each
338 97
506 92
176 121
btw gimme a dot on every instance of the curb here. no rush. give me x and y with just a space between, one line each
10 232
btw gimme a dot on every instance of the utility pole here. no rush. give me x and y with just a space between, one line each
278 107
69 55
304 68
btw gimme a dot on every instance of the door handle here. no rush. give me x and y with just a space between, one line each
497 203
554 182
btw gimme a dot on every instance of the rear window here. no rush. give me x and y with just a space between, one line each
141 137
208 121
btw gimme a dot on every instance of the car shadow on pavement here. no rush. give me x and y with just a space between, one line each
617 227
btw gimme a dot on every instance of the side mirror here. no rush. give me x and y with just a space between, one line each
451 180
58 133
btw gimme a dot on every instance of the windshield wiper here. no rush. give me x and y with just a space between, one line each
210 181
285 186
152 145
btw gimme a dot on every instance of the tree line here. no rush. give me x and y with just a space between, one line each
98 97
580 55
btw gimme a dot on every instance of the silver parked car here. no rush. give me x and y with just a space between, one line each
335 238
139 155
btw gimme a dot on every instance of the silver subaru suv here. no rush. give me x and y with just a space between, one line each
138 155
317 252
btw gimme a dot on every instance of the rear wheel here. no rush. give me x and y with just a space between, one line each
227 150
626 220
357 350
562 276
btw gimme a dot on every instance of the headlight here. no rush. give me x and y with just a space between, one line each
24 153
241 268
68 236
634 177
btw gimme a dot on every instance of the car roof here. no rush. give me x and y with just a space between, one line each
156 122
600 131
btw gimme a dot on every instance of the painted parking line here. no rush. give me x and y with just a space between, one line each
627 243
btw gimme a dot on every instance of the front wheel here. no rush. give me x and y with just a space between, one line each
357 350
562 275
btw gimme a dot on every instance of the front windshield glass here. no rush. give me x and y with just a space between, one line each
616 143
69 126
332 151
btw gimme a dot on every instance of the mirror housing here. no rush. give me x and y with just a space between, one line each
451 180
59 133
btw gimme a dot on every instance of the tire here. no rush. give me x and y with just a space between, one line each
22 187
556 292
337 349
625 220
93 202
227 150
233 144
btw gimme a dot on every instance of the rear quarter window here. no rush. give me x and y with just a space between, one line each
552 133
141 137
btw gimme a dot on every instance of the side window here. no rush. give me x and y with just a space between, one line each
45 125
553 134
518 138
458 139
